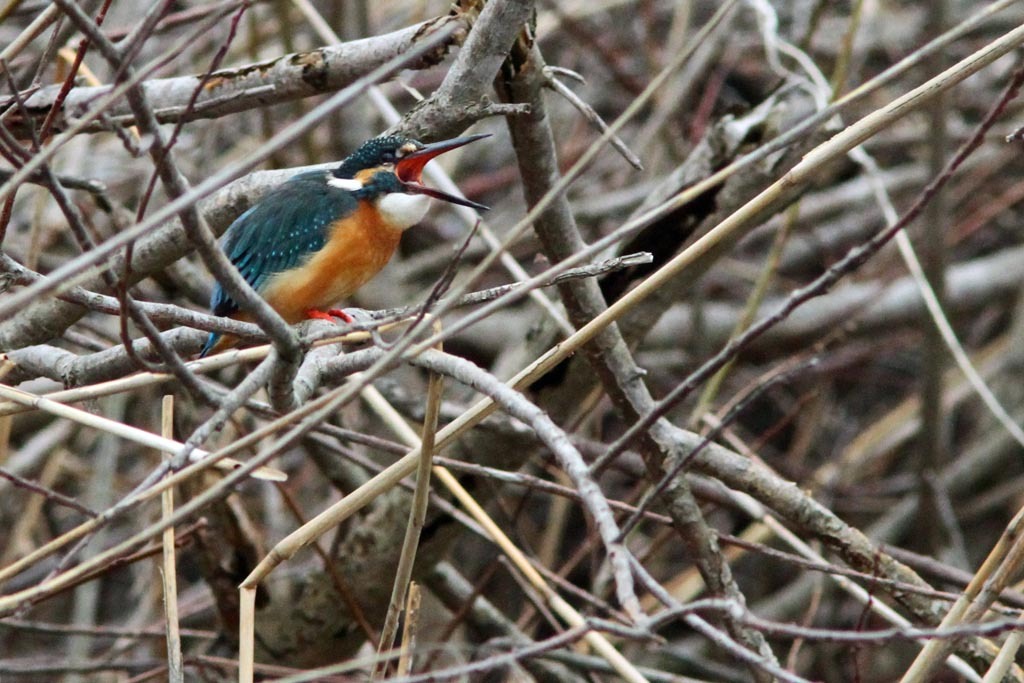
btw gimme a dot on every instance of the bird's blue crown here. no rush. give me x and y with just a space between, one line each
372 153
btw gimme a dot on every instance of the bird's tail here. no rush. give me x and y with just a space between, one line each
216 343
211 342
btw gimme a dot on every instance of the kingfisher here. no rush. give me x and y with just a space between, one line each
321 235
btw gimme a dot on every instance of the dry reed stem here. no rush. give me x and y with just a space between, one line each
412 616
1004 661
1003 560
417 511
175 666
134 434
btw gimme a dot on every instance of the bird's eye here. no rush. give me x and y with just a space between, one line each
387 156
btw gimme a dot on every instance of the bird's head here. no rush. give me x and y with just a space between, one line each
388 170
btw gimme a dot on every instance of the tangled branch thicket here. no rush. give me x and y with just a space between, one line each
765 427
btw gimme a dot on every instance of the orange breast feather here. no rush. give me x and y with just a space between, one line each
359 246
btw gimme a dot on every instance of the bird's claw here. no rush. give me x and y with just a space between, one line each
341 314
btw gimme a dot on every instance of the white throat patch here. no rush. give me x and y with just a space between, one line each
402 211
350 184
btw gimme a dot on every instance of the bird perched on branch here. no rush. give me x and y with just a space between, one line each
323 234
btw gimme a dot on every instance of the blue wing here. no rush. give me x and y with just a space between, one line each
278 234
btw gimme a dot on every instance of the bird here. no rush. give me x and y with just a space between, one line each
321 235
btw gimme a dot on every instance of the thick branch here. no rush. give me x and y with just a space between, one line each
468 83
228 91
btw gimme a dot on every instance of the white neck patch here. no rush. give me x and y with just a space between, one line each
402 211
349 184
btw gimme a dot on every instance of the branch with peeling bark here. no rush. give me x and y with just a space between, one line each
251 86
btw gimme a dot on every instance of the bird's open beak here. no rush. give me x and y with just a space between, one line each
410 169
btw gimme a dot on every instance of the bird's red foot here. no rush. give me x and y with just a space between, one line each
341 314
330 315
